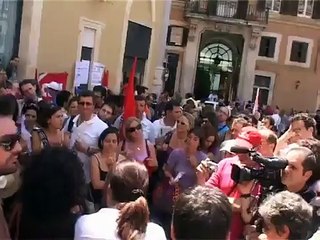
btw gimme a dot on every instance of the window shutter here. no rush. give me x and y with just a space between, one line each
261 5
242 9
212 7
303 52
294 52
272 47
168 35
316 9
263 46
185 37
289 7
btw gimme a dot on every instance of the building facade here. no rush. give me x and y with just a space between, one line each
56 34
287 66
234 47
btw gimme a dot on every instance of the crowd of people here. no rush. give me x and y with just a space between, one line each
74 167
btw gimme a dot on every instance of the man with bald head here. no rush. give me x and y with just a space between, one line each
268 142
9 151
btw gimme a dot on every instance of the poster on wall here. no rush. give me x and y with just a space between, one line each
88 73
97 71
81 74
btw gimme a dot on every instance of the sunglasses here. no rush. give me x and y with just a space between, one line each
8 142
180 122
133 129
85 103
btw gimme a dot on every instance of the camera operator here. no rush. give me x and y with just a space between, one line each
299 175
249 138
284 215
302 126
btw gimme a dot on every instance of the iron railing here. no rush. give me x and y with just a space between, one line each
232 9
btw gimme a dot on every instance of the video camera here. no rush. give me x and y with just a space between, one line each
268 175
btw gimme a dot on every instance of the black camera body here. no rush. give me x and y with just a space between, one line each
269 174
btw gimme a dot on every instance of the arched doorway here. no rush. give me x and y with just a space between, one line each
215 71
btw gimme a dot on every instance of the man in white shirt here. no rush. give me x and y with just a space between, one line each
147 127
168 123
86 130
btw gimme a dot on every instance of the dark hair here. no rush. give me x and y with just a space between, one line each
188 95
46 111
86 93
309 163
209 131
53 178
73 99
270 119
105 133
307 120
100 89
33 82
212 118
290 210
30 105
314 145
170 105
141 89
111 105
129 181
202 213
199 132
139 98
9 106
62 98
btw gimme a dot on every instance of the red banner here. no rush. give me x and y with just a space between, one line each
54 81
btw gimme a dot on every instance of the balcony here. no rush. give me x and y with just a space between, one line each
232 11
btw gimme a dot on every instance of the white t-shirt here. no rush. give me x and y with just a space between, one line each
88 133
160 129
103 226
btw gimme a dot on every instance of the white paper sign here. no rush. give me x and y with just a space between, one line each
97 71
81 73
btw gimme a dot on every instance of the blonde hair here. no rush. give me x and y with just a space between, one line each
127 124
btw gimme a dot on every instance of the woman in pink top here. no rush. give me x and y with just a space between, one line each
136 147
251 139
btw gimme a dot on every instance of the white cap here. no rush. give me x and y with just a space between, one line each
227 145
55 86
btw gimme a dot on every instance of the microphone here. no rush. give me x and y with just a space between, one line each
241 150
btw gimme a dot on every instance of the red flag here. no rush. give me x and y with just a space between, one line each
56 81
129 101
36 74
105 79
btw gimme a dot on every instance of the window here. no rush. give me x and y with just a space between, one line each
267 46
177 36
273 5
305 8
264 83
299 51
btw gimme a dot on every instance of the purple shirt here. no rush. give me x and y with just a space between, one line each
179 163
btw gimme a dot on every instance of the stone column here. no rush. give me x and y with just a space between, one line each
190 58
248 65
157 83
29 38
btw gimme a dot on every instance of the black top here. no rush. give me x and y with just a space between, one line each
58 228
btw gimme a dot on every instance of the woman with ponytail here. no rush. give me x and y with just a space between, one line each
127 186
